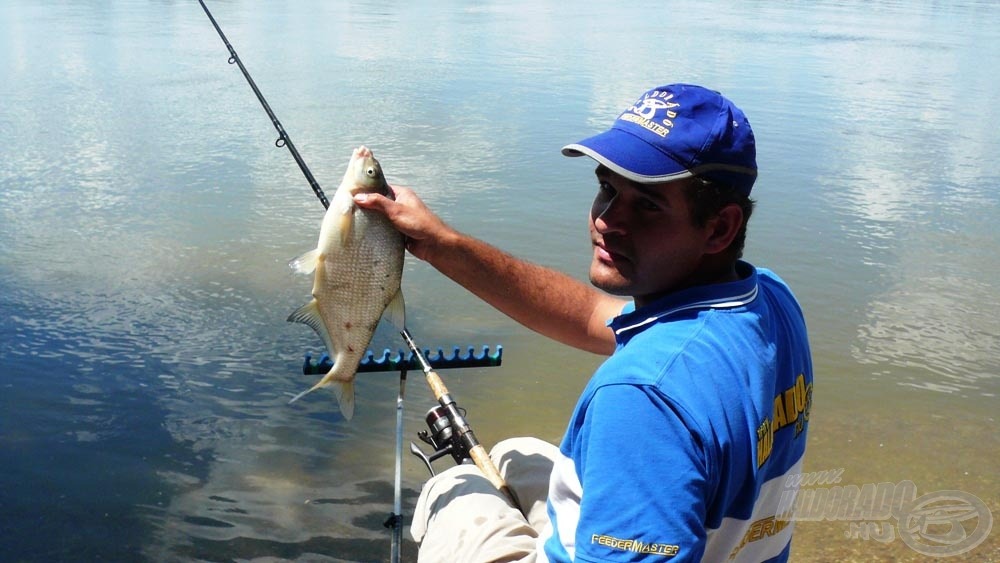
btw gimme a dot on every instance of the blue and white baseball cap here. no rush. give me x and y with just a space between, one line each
673 132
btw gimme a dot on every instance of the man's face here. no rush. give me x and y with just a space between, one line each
645 243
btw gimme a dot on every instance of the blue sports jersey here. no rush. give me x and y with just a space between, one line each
679 446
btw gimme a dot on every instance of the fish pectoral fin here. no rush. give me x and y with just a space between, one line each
308 314
344 205
306 263
345 225
395 312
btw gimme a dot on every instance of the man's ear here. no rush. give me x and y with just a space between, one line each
723 228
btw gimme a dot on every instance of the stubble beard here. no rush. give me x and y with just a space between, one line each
615 283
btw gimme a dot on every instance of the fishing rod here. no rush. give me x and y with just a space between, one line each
283 139
450 411
456 421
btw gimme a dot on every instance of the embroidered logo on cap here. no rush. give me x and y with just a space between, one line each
645 110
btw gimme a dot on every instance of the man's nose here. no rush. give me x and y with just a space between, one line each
607 216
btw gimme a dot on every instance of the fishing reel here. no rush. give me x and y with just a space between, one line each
443 436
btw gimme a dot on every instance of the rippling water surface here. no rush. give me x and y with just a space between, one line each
146 221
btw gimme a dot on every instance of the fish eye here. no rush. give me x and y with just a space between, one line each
370 171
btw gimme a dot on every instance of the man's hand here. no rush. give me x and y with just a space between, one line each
540 298
423 229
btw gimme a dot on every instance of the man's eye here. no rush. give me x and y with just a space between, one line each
647 205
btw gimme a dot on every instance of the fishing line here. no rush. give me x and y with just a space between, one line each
283 139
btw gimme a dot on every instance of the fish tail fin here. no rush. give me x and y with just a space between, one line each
304 393
343 390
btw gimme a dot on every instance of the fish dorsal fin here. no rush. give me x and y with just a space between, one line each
395 312
305 264
309 314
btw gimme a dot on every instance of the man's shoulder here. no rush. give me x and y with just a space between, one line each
671 361
773 285
647 356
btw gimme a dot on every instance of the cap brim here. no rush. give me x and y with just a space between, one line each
629 156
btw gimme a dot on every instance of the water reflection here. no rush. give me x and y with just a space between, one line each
932 322
146 219
934 269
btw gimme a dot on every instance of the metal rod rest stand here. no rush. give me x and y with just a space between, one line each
402 362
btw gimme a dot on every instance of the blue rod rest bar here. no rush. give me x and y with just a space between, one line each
389 362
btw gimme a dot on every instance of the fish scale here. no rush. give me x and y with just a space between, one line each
358 265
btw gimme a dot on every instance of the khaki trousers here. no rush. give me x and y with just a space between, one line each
460 517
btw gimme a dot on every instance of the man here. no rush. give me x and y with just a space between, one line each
678 447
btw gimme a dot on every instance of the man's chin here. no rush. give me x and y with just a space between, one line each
609 284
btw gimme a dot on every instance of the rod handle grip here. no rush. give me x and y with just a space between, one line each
436 385
489 469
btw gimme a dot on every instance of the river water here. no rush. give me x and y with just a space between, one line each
146 220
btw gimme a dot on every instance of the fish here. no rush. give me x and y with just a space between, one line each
357 267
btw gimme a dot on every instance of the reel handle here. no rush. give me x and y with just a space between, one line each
427 459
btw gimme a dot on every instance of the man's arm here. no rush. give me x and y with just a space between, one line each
544 300
646 478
